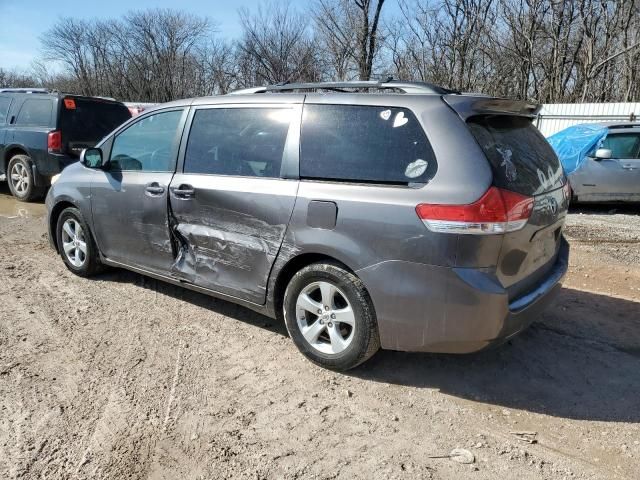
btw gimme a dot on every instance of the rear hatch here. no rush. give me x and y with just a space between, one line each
84 121
523 162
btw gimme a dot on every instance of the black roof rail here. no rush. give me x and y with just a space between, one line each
387 84
25 90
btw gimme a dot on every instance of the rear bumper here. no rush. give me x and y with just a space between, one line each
452 310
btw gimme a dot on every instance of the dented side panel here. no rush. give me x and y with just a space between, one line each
229 233
130 225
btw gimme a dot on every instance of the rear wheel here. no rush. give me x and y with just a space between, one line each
21 179
76 245
330 317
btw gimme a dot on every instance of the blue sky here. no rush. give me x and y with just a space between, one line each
23 21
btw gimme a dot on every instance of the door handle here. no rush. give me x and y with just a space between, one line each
183 191
154 188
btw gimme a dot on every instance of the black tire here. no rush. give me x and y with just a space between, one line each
365 340
90 261
25 189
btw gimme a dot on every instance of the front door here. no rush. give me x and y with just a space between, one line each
129 198
617 178
625 149
231 204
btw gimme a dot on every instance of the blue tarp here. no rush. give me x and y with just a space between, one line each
572 144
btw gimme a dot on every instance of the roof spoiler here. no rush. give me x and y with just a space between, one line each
467 106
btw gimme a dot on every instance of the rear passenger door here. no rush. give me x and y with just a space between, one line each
233 199
34 120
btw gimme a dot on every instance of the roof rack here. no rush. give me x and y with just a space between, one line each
388 84
24 90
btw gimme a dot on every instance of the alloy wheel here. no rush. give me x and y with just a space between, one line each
19 178
325 317
74 243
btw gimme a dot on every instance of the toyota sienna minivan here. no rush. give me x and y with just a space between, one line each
363 214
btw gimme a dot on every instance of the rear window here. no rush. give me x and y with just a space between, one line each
521 159
35 112
364 144
89 120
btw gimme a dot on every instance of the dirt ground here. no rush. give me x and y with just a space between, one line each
125 377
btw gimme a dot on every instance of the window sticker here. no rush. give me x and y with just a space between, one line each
548 180
70 103
510 171
415 169
385 114
400 120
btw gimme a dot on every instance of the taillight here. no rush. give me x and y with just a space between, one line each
497 211
54 142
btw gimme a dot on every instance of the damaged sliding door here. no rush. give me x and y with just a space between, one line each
129 197
232 202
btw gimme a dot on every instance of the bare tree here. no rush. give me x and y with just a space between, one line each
276 45
544 50
349 31
148 55
14 78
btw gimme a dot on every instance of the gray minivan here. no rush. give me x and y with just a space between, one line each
364 214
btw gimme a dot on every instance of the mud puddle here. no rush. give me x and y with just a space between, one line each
12 208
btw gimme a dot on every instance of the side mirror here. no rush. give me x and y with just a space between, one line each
603 154
91 158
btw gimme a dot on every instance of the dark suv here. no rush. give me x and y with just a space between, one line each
414 219
41 132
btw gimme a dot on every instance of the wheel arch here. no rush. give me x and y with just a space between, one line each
12 151
294 265
57 209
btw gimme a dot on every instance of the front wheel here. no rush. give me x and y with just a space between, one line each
330 317
75 243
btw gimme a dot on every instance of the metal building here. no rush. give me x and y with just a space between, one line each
557 116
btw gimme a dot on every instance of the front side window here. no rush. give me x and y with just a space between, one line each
238 141
364 144
623 145
35 112
5 102
148 145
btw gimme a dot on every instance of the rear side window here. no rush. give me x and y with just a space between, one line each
5 102
364 144
238 141
521 159
623 145
89 120
35 112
